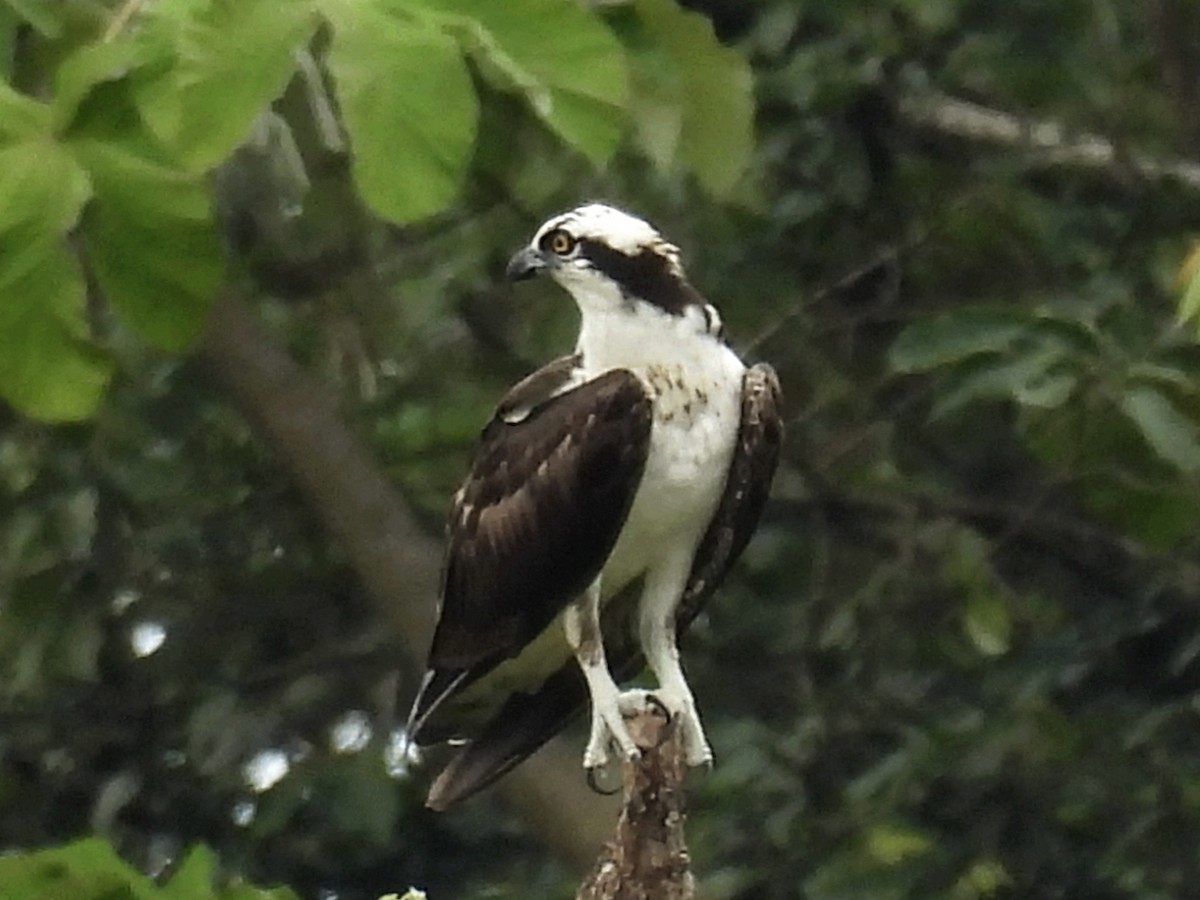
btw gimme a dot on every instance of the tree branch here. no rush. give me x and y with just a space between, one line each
647 858
1047 141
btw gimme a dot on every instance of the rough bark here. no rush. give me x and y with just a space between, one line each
647 857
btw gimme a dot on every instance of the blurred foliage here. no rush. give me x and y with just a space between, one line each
961 658
88 869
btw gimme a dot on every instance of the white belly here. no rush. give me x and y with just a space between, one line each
695 427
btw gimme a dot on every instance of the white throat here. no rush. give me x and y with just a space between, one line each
635 335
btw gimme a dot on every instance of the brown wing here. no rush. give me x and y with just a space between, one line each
549 489
751 472
529 720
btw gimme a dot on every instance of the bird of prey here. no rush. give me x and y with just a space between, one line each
608 496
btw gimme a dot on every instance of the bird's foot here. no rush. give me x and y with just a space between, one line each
681 710
608 729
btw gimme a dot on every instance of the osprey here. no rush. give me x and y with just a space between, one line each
608 496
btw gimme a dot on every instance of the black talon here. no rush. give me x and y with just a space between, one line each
653 701
672 721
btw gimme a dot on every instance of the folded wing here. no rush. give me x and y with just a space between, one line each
549 488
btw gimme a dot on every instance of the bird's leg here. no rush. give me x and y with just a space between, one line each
581 621
657 632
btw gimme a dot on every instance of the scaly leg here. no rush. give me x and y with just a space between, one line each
657 632
581 621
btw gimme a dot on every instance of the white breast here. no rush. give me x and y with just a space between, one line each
695 383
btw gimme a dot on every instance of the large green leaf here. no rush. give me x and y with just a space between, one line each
558 54
47 369
47 18
89 869
149 231
1037 376
952 337
1171 435
694 98
43 187
84 870
409 106
219 65
89 66
21 117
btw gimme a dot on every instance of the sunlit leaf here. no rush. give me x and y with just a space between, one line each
149 232
559 55
43 187
986 622
1169 433
891 844
694 97
88 67
47 18
47 368
86 869
21 116
89 869
1187 284
410 109
220 64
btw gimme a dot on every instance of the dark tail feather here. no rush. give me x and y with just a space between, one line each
436 686
525 723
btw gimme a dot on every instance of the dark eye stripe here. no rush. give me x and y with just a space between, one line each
645 275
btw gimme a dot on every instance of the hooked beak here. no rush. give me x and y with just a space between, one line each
525 264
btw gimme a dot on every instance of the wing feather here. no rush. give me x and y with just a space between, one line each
549 488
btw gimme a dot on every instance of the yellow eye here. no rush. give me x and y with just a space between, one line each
559 242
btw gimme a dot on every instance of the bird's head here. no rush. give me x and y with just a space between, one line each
607 259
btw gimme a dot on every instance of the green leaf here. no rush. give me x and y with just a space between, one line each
1171 435
692 95
45 17
87 868
151 242
966 566
1187 285
410 109
21 117
91 65
892 844
559 55
47 368
149 232
43 187
1189 301
219 65
1032 378
986 622
952 337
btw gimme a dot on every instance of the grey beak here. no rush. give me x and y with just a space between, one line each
525 264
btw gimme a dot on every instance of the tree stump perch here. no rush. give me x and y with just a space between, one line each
647 857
